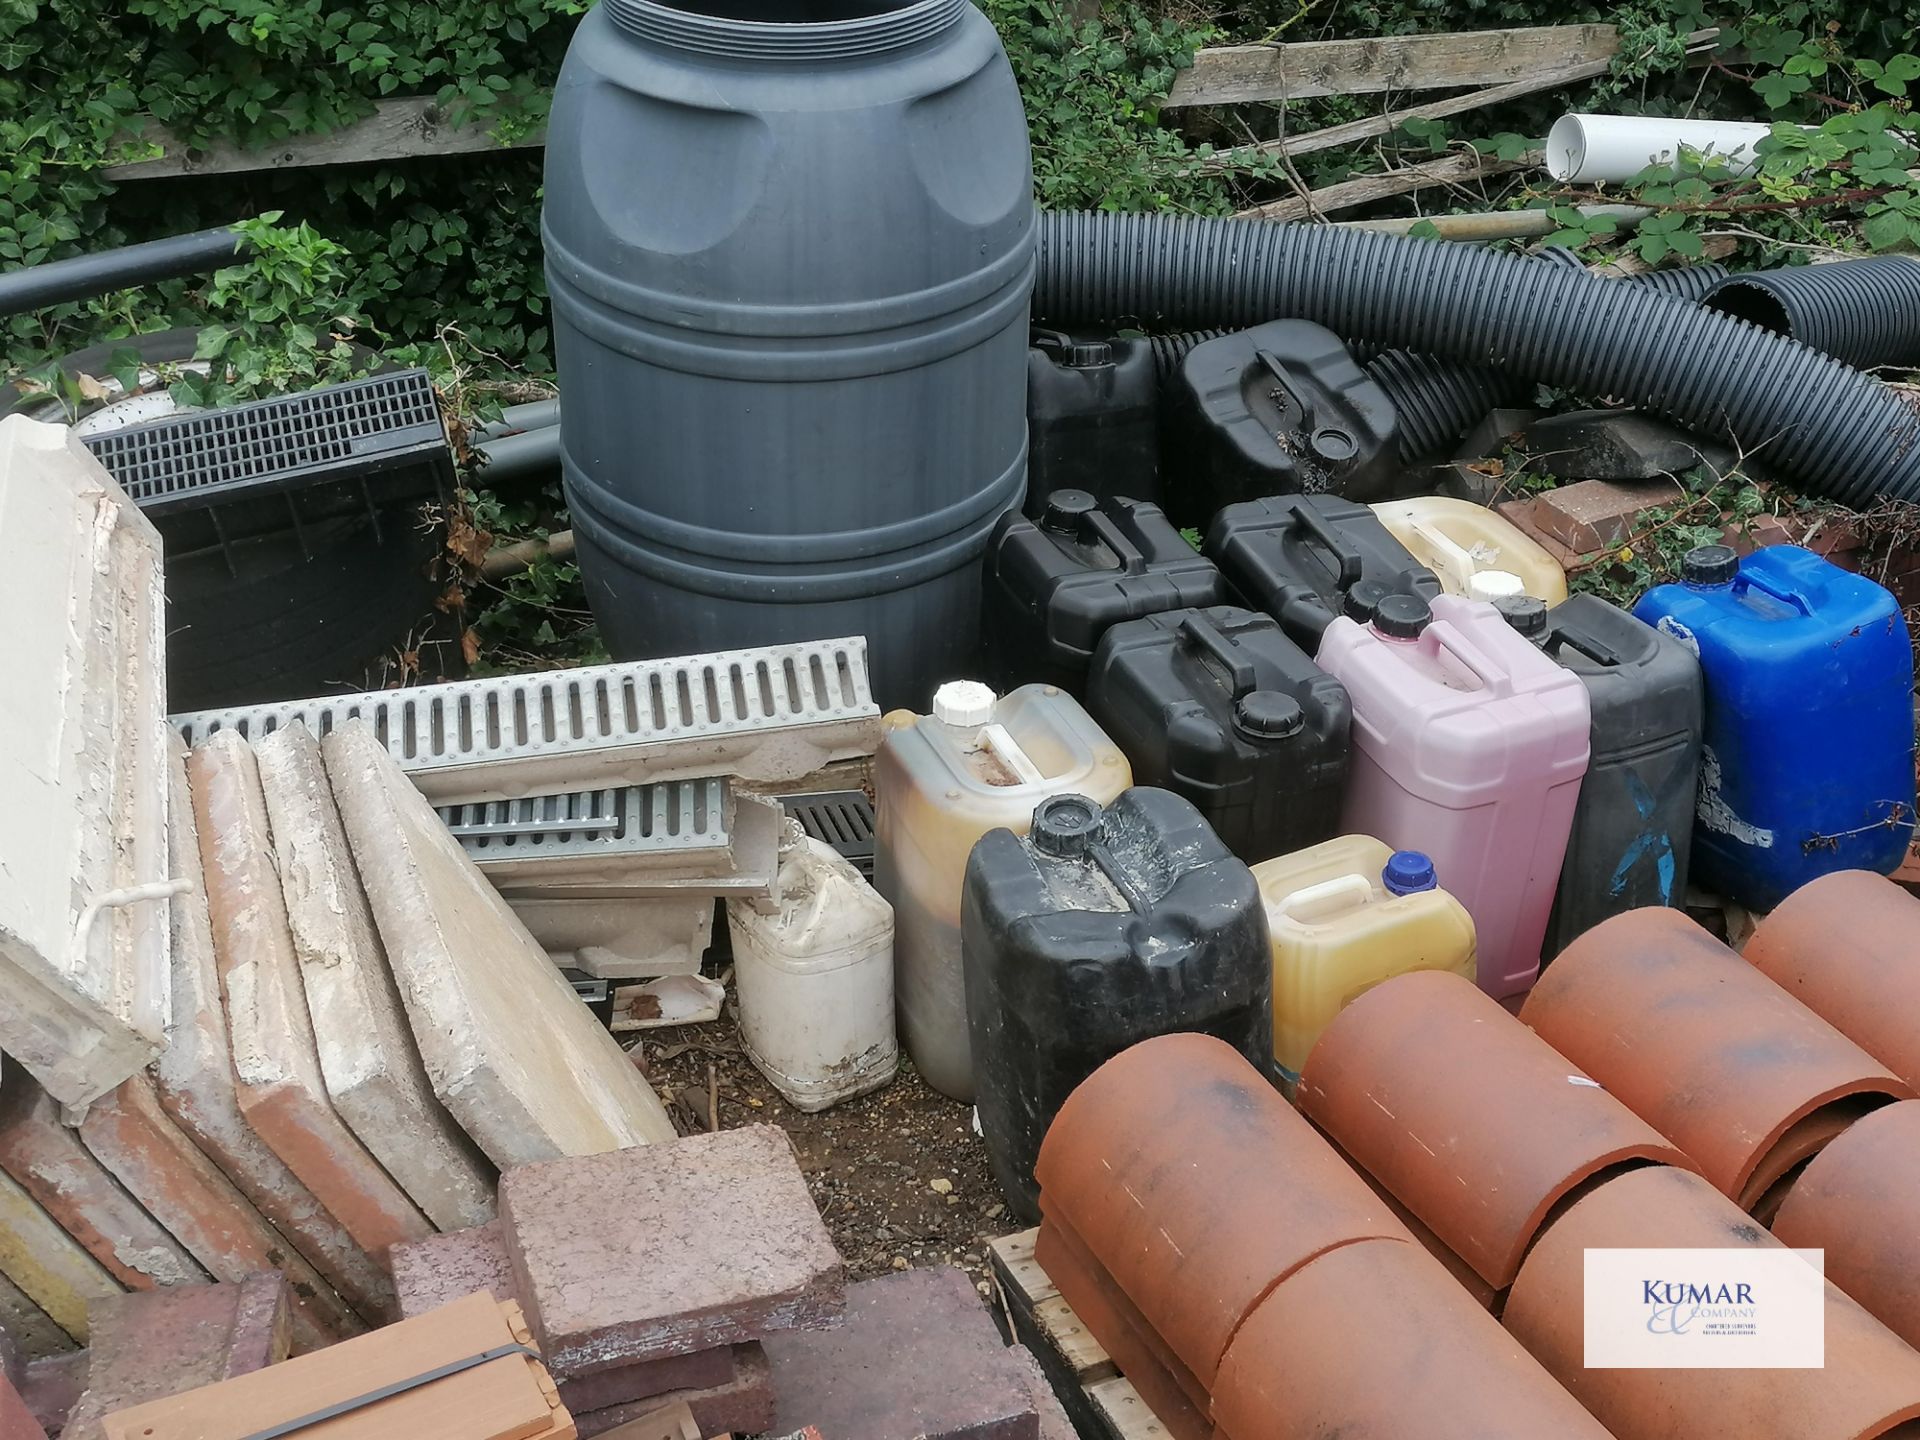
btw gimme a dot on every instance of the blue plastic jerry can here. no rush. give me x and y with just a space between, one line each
1807 765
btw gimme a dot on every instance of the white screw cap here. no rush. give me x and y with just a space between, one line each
1493 585
964 702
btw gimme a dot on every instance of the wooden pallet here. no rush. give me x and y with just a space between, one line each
1100 1401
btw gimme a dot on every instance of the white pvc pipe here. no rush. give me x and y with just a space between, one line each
1608 149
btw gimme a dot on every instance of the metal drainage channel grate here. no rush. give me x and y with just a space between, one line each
467 738
340 433
840 818
689 816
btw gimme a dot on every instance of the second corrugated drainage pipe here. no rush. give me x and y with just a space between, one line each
1838 432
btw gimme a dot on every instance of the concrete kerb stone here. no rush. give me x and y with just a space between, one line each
48 1265
744 1405
30 1329
367 1055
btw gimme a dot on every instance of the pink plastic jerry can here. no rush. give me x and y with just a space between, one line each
1468 744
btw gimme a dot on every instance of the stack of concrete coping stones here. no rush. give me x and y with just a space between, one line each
613 805
699 1273
260 1009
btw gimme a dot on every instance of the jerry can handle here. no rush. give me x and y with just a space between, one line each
1795 598
1199 633
1490 674
1099 525
997 741
1595 650
1455 559
1345 556
1353 889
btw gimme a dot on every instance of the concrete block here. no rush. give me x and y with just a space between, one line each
652 1380
49 1266
17 1422
511 1051
1621 445
917 1356
744 1405
131 1134
275 1062
82 1006
367 1056
53 1386
1054 1424
721 1227
48 1161
29 1329
195 1083
147 1347
440 1269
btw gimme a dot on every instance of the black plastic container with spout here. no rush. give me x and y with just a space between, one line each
1280 409
1093 418
1220 707
1632 832
1056 583
1297 557
1095 931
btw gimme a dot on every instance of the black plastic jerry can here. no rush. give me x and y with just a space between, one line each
1220 707
1299 558
1097 930
1055 584
1283 408
1632 836
1093 418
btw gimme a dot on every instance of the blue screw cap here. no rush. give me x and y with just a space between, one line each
1408 872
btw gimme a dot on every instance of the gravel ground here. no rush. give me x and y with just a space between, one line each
899 1175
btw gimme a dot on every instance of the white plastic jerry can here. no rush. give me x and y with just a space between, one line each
813 973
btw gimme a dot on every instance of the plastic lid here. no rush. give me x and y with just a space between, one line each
1361 598
1087 354
1065 825
1402 617
1710 565
1408 872
1268 715
1494 585
1333 445
1524 613
1065 507
964 702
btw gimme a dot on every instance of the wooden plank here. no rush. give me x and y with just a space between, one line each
397 130
1125 1413
1073 1342
1235 74
1375 125
1457 169
1013 1259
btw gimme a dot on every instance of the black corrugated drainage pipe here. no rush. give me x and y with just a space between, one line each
1865 312
1840 433
84 276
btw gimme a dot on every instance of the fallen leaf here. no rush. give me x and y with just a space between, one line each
453 598
90 388
470 645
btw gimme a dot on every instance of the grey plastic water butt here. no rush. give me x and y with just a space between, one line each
790 262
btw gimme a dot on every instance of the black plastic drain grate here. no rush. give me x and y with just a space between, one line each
343 432
840 818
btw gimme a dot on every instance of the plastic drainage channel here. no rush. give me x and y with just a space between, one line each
687 817
772 713
840 818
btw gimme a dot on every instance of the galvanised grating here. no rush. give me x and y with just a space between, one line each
840 818
774 713
678 820
341 433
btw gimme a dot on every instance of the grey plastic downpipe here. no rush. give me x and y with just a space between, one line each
1865 312
34 287
1840 433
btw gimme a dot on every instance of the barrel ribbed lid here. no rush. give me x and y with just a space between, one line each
964 702
1268 715
1090 354
1402 617
1066 825
1525 613
1408 872
778 32
1710 565
1493 585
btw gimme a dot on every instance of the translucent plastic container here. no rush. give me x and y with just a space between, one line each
813 970
1475 552
1468 745
942 781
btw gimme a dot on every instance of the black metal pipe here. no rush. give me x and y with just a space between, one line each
33 287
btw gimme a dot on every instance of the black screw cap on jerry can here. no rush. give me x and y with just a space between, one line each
1221 708
1632 839
790 253
1093 418
1055 584
1304 558
1706 565
1525 615
1402 617
1097 930
1283 408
